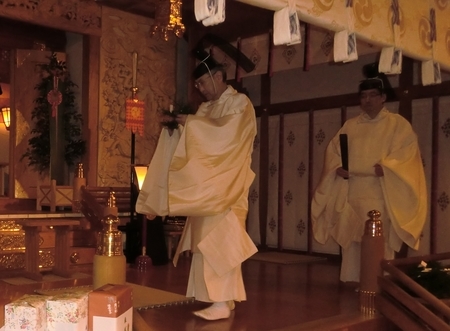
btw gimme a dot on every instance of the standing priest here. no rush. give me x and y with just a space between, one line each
385 173
202 170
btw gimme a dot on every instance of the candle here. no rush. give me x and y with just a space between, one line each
134 68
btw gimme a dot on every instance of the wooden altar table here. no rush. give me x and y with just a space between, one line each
32 228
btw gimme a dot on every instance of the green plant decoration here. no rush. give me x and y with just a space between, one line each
55 108
434 278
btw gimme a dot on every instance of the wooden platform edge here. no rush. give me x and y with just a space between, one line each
343 322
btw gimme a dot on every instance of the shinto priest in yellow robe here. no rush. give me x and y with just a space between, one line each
203 171
339 207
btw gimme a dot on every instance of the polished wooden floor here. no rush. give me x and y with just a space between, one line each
279 297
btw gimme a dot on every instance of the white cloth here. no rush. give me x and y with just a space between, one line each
286 27
339 207
390 60
431 73
218 16
345 47
204 173
210 12
204 9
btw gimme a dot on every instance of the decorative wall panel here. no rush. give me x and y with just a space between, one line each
422 124
12 246
272 222
287 57
295 181
257 50
226 60
123 34
443 183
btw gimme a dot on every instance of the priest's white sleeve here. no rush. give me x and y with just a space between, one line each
152 198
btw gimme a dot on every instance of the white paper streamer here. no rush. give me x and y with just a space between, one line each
431 73
210 12
286 26
345 47
390 61
218 16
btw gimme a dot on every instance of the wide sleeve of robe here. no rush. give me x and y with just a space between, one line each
152 198
331 214
210 168
404 185
203 169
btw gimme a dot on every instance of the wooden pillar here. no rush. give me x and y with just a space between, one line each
405 109
263 176
32 253
310 177
434 174
62 247
90 106
405 84
264 159
280 181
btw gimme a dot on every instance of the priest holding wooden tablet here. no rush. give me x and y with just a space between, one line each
373 163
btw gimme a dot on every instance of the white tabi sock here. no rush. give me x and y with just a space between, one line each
217 311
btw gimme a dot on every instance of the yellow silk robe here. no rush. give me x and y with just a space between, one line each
339 207
203 172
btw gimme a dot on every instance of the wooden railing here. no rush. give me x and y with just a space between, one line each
54 196
406 303
94 203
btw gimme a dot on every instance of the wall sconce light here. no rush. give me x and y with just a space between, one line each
168 19
6 115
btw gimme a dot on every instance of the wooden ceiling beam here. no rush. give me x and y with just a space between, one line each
145 8
241 21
